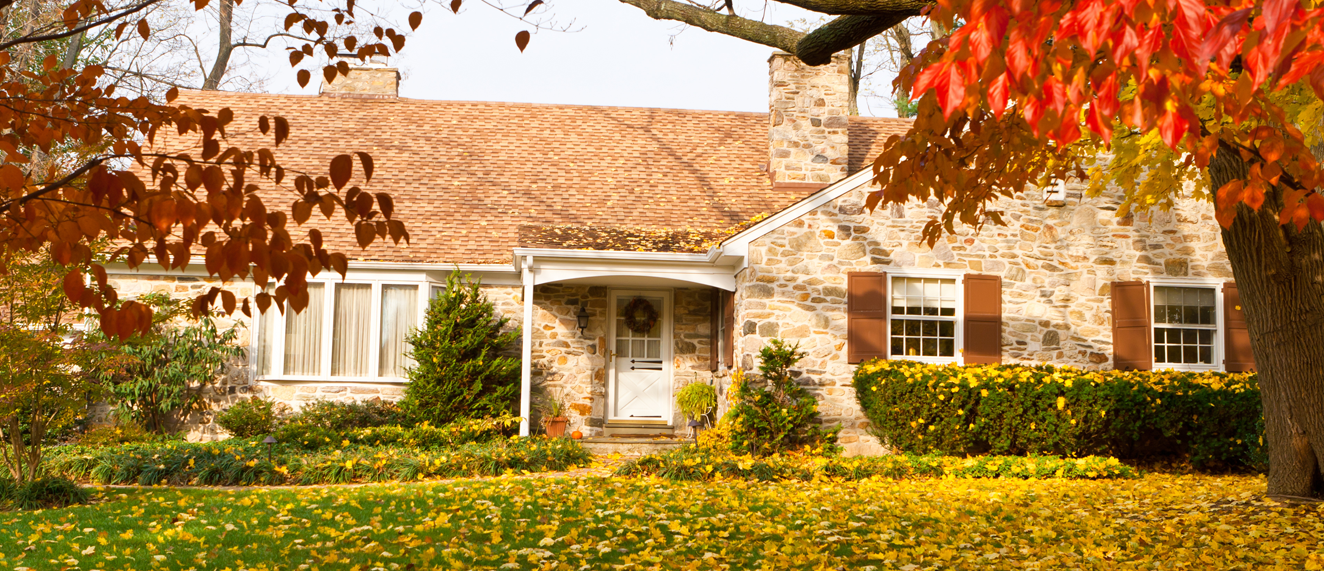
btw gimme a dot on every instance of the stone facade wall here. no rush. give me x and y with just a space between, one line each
808 110
574 366
1056 265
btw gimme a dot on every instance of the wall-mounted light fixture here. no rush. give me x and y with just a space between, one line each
582 318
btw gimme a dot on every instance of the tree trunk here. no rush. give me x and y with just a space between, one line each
224 47
1280 276
856 74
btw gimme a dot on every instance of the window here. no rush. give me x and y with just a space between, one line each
1185 326
923 317
350 330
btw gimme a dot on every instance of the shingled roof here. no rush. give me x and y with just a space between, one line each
466 176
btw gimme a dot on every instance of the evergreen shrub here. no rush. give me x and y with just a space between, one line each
460 371
776 415
1212 419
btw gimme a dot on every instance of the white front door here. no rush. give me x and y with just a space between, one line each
640 368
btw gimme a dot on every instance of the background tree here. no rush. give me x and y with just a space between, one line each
43 388
460 371
1223 95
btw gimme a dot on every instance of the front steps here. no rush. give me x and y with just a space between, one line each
633 445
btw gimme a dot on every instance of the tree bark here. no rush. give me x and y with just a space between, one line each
224 47
1280 275
779 37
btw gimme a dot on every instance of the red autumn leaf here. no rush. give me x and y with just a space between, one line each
1315 203
342 167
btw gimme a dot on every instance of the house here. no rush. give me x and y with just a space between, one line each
688 239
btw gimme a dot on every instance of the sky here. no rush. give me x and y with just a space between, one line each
613 54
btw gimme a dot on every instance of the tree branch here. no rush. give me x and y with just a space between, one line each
846 32
79 29
860 7
779 37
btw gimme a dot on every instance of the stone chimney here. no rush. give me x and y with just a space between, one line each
807 131
370 80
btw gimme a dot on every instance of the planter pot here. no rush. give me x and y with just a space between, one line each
556 426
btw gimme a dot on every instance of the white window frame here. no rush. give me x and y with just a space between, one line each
1220 329
959 319
329 284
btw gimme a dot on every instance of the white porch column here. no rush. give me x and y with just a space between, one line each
526 353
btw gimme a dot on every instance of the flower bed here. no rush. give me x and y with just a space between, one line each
1214 419
246 462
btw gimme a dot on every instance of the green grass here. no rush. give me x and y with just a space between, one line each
1156 522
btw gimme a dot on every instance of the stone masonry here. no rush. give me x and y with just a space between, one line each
376 81
1056 265
574 366
808 110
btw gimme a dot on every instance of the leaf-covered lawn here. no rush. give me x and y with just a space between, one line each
1158 522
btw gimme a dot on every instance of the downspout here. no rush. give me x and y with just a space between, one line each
526 353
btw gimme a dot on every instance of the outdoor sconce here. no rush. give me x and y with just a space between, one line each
582 318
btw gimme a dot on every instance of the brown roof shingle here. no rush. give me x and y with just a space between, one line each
466 175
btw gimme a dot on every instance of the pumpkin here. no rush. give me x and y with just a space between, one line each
576 435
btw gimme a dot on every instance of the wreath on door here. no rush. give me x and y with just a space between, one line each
639 315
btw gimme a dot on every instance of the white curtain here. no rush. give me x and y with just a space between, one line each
399 318
303 335
352 330
266 340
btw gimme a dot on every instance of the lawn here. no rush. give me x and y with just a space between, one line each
1157 522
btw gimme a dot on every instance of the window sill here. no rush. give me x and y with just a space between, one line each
333 380
1188 368
928 360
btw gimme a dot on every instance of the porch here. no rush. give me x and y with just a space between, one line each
613 336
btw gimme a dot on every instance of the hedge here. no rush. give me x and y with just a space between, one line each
1212 419
245 462
695 463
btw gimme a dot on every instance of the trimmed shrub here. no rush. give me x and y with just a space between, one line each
695 463
460 371
1213 419
780 416
235 462
343 416
251 417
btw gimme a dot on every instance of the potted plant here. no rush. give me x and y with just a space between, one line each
554 419
696 400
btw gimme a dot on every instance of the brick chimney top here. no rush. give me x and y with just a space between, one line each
808 107
372 79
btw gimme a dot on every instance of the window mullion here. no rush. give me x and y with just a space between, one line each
375 331
328 325
277 339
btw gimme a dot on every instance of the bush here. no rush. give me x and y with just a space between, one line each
460 372
251 417
343 416
1213 419
116 434
42 493
235 462
158 379
694 463
780 417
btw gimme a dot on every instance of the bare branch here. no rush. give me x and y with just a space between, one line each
755 31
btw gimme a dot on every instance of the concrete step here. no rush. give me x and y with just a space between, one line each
632 445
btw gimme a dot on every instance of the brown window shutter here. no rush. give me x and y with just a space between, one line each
1237 355
728 327
866 316
983 319
1133 347
714 328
